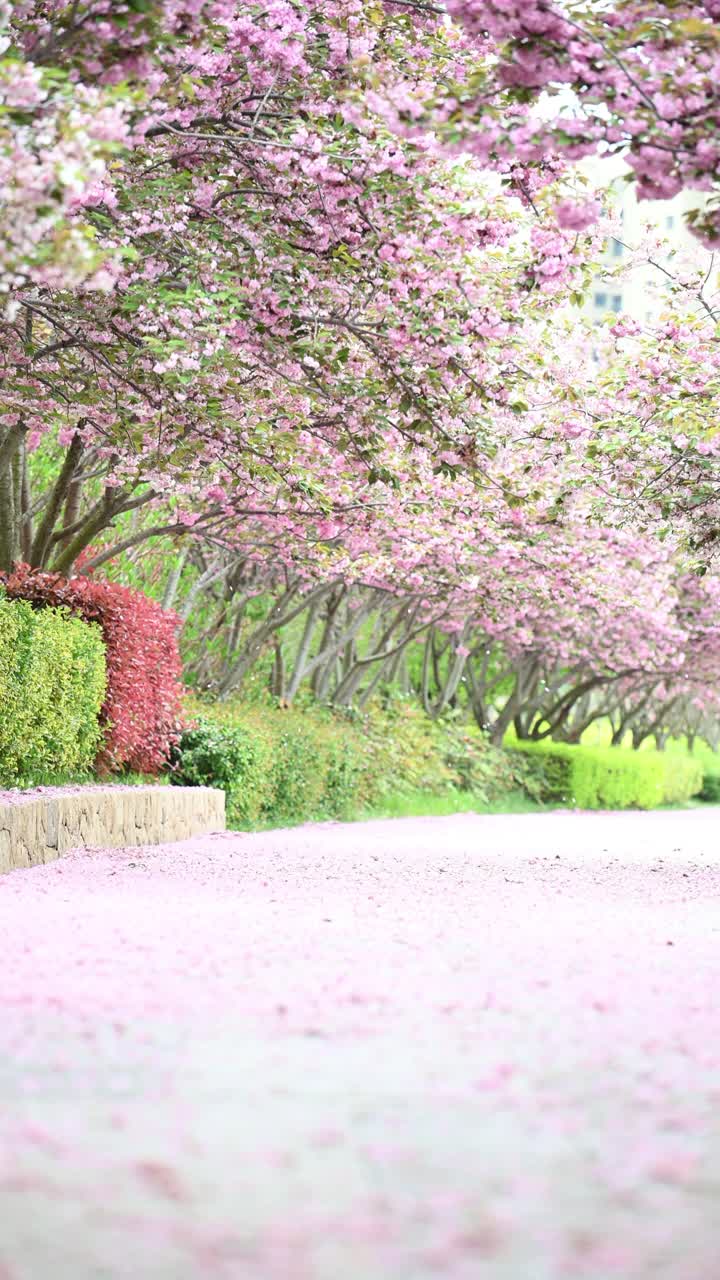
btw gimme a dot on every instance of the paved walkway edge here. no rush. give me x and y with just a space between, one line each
38 828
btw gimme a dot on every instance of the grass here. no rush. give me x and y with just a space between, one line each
420 805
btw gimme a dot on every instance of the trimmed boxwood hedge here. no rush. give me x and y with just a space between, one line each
582 777
710 765
52 686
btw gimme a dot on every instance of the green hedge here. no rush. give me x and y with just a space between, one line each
710 765
610 777
279 766
52 687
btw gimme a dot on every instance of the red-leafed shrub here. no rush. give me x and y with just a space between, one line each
141 712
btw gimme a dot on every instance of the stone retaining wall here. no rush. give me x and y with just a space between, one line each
37 828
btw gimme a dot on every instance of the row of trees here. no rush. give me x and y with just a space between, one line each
647 666
285 287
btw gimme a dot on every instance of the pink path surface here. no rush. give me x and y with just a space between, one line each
462 1047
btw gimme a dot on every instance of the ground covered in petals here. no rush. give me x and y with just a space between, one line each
467 1047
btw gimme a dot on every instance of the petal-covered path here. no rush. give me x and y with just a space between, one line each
462 1047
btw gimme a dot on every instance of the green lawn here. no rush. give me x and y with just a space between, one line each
420 805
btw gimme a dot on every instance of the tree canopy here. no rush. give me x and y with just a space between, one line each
290 283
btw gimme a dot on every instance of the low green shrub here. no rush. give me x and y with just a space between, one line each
412 754
611 777
477 767
273 768
52 687
710 765
710 789
281 766
402 750
231 757
300 773
345 779
683 777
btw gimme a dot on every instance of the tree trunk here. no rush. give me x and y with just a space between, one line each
26 526
503 721
277 678
10 497
173 582
43 538
301 659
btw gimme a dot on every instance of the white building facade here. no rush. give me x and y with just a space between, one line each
633 287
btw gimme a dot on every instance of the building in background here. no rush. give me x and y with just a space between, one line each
640 291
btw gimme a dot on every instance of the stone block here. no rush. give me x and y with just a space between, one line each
38 828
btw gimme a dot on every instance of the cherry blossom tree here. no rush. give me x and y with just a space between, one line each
630 413
634 77
285 284
300 298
